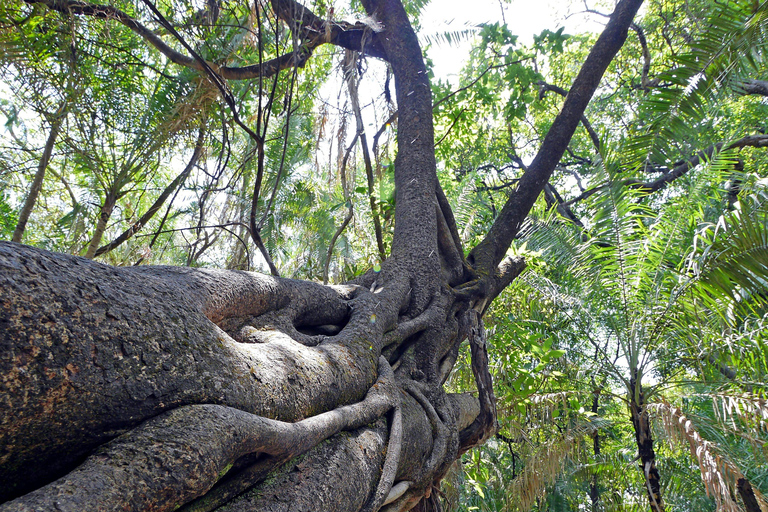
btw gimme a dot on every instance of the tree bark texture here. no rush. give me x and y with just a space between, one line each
747 495
90 353
153 388
641 424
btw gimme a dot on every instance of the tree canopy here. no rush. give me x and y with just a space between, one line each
541 286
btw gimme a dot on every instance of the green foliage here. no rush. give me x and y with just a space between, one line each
670 286
728 49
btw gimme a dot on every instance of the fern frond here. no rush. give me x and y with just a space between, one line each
731 257
731 45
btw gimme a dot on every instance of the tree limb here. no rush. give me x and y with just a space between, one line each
544 87
490 251
749 86
343 34
755 141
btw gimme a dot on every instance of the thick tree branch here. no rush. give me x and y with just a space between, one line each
759 87
359 37
747 494
544 87
342 34
487 255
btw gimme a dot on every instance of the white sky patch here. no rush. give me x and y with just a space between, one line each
525 18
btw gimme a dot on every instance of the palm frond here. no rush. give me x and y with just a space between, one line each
746 408
731 45
544 466
730 258
719 475
449 35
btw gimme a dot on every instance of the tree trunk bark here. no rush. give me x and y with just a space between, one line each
594 490
748 495
70 338
642 426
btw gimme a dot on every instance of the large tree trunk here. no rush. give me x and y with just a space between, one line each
150 388
91 352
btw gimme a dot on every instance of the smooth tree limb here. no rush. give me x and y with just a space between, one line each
491 250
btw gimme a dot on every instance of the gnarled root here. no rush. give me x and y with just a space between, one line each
389 471
194 445
485 424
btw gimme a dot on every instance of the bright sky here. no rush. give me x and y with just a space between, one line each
524 18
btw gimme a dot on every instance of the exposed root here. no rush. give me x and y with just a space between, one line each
440 432
391 462
344 461
171 459
231 486
430 317
485 424
264 328
408 498
397 491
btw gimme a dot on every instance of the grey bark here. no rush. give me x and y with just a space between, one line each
758 87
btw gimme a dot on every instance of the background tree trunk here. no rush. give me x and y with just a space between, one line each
641 423
37 183
105 212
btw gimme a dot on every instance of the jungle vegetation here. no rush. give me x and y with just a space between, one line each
540 286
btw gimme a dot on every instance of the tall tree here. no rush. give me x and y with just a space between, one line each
153 388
